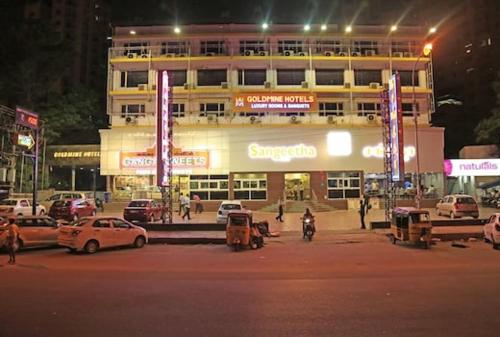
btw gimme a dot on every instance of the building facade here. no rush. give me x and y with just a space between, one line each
262 115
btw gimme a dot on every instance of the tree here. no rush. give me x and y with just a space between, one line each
488 130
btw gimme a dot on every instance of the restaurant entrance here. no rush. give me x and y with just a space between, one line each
298 186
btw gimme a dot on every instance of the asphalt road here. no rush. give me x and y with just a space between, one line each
337 285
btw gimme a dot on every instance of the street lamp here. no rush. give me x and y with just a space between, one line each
177 30
426 51
348 29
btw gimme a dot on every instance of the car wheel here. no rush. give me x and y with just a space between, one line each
42 212
91 247
139 242
72 250
253 243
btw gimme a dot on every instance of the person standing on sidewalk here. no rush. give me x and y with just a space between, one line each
187 208
181 201
198 207
280 211
362 213
12 240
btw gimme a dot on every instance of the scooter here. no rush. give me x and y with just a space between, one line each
308 227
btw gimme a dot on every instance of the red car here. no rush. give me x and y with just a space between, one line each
72 209
142 210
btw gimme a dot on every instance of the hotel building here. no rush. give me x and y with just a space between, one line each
263 114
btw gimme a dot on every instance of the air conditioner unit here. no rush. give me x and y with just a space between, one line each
397 54
182 55
347 85
356 53
263 53
303 53
249 53
255 120
408 54
294 120
373 85
131 120
142 87
331 120
288 53
131 55
304 84
209 54
370 52
342 54
170 55
328 53
267 85
224 85
370 118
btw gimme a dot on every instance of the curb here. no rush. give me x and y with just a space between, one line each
188 241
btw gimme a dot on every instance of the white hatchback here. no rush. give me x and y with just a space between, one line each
225 207
492 230
93 233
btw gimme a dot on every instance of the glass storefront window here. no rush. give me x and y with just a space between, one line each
214 187
250 186
344 185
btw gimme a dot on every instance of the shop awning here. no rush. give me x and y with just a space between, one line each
490 184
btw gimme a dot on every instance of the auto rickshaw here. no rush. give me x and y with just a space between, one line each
412 225
242 232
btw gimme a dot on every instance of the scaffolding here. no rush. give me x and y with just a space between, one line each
390 186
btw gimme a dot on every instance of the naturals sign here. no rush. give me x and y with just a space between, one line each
275 102
472 167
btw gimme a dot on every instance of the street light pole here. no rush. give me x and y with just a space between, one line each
425 52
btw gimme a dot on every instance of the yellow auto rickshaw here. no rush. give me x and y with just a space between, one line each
241 231
412 225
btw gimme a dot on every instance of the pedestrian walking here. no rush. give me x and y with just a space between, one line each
362 213
181 199
198 206
187 208
366 202
12 238
280 211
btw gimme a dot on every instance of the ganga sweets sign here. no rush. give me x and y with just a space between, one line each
180 160
281 153
472 167
275 102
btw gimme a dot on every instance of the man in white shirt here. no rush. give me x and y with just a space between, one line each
186 203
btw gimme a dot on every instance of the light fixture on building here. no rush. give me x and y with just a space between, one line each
323 27
394 28
265 26
133 32
432 30
307 27
177 30
348 29
427 49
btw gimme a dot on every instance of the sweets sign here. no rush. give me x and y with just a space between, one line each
180 160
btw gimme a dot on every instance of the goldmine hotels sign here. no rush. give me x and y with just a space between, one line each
275 102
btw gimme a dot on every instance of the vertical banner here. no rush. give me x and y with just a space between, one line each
396 129
163 131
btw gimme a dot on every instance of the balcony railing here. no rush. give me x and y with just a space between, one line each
326 49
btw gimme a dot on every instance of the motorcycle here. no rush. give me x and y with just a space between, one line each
308 227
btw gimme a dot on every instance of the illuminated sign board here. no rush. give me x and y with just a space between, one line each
472 167
281 153
163 130
378 152
396 128
26 118
180 160
25 140
339 143
275 102
77 154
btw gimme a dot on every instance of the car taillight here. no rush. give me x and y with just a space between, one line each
75 232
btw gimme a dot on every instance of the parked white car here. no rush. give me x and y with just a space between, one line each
34 231
47 203
492 230
225 207
93 233
19 207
